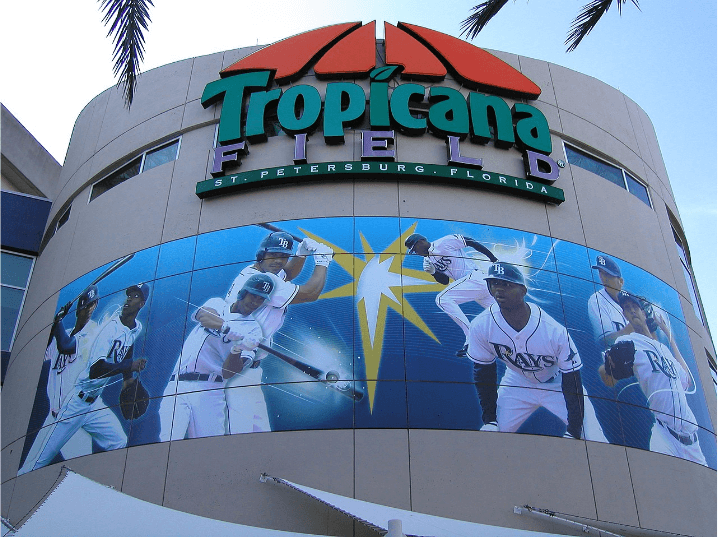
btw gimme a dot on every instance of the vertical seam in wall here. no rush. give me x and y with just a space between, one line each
633 490
124 469
590 477
167 467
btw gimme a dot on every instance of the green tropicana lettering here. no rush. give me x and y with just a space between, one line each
404 107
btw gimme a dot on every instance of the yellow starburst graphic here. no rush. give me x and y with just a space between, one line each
379 283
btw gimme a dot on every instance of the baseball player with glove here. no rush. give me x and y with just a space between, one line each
539 355
604 312
221 345
65 367
446 260
109 356
662 375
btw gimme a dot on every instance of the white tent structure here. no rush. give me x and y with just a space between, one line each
70 509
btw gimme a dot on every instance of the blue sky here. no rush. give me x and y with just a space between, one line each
663 57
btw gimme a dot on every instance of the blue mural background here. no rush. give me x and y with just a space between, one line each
377 325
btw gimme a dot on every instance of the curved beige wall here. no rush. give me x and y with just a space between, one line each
461 474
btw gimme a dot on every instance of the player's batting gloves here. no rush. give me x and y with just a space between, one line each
323 255
232 332
307 247
491 426
429 266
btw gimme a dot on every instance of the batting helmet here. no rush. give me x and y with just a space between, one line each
143 288
411 241
506 272
625 296
257 284
89 295
275 242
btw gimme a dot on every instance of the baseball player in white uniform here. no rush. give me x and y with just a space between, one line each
446 260
221 345
604 312
109 356
539 354
65 367
662 375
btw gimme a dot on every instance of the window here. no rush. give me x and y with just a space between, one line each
682 254
146 161
713 368
616 175
63 219
16 270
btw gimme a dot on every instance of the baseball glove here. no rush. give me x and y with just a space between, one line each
619 360
134 399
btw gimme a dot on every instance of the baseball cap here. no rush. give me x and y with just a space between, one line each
143 288
411 241
506 272
607 265
88 296
624 296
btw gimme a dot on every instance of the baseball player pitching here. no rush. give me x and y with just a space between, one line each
445 260
110 355
221 345
662 375
539 354
604 312
65 367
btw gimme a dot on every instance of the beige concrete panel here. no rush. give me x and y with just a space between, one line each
158 90
145 471
644 149
539 73
205 69
700 343
512 59
196 115
691 320
19 390
70 190
29 490
106 468
276 151
11 460
183 205
471 205
600 142
612 488
287 202
32 323
112 226
219 477
376 198
131 143
84 137
384 478
565 219
509 477
665 193
652 141
6 496
595 102
619 224
231 56
319 151
673 495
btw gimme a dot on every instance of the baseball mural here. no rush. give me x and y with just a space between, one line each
343 323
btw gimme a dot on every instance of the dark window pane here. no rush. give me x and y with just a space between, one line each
638 190
115 178
11 301
593 165
160 156
15 270
64 218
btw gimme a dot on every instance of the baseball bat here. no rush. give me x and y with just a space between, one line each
329 378
105 274
270 227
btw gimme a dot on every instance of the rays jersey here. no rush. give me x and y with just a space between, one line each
205 350
447 255
271 314
66 368
538 353
605 314
664 382
112 344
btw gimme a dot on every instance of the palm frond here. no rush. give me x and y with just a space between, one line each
587 19
128 19
483 13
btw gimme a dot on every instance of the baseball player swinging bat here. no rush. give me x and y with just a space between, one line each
330 378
